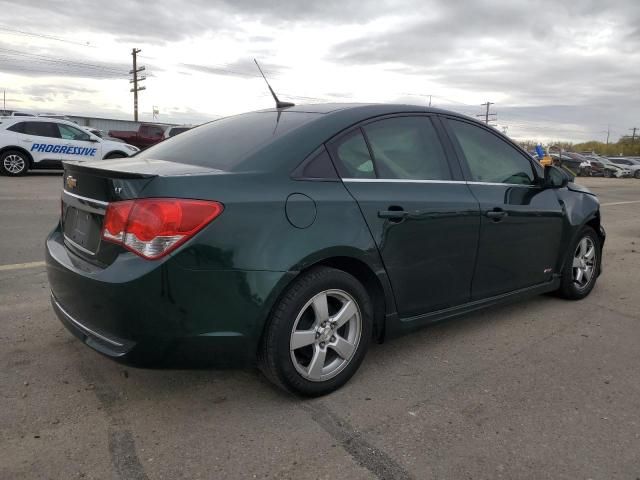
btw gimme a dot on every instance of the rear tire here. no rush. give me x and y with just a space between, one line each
318 333
581 266
14 163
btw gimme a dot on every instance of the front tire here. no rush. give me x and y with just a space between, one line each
637 174
581 266
14 163
318 334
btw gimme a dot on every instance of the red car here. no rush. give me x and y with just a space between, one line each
146 136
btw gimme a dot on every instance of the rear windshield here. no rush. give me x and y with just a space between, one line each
223 144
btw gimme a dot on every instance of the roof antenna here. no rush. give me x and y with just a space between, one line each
279 104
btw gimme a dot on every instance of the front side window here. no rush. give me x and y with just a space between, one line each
68 132
353 159
41 129
489 158
407 148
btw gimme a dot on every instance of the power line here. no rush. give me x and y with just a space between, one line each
62 61
15 31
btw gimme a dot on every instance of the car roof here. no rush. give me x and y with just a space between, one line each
13 120
370 108
329 120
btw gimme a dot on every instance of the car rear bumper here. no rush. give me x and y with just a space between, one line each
158 313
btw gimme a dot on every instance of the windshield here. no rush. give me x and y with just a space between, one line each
224 144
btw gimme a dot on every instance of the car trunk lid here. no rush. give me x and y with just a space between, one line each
88 188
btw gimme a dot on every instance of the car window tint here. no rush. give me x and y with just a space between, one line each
319 166
17 127
226 143
489 158
407 148
151 131
353 157
41 129
176 131
68 132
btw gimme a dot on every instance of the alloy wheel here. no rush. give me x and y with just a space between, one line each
584 262
14 164
325 335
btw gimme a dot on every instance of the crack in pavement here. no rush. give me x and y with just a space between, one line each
122 448
366 455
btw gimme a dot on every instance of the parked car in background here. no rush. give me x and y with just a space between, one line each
575 162
602 169
629 163
38 142
611 168
173 131
148 134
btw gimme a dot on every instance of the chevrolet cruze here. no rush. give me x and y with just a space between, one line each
291 238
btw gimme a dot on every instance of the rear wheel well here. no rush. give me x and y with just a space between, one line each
363 273
18 149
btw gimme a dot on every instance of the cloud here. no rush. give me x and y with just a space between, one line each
548 63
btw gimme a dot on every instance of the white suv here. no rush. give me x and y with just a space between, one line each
38 142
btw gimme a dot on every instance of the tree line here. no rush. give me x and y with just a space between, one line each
625 146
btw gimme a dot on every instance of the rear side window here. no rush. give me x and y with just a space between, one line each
353 158
224 144
407 148
489 158
17 127
41 129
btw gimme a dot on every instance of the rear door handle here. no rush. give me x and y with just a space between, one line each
396 214
496 214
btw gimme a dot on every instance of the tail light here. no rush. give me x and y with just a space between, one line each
153 227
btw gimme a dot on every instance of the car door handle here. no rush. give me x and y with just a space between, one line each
496 214
397 214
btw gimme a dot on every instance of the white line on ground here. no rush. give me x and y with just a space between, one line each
21 266
619 203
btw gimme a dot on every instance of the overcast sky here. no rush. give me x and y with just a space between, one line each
561 69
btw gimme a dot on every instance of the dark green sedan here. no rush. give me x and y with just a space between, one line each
292 238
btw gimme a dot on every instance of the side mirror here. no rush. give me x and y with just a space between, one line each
554 177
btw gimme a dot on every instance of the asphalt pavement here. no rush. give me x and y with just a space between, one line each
545 388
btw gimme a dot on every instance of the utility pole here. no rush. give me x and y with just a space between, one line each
429 100
135 80
487 114
633 135
608 132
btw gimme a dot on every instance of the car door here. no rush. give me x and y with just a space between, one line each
419 210
77 144
42 140
522 222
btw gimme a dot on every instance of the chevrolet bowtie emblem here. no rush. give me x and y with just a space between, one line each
70 182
